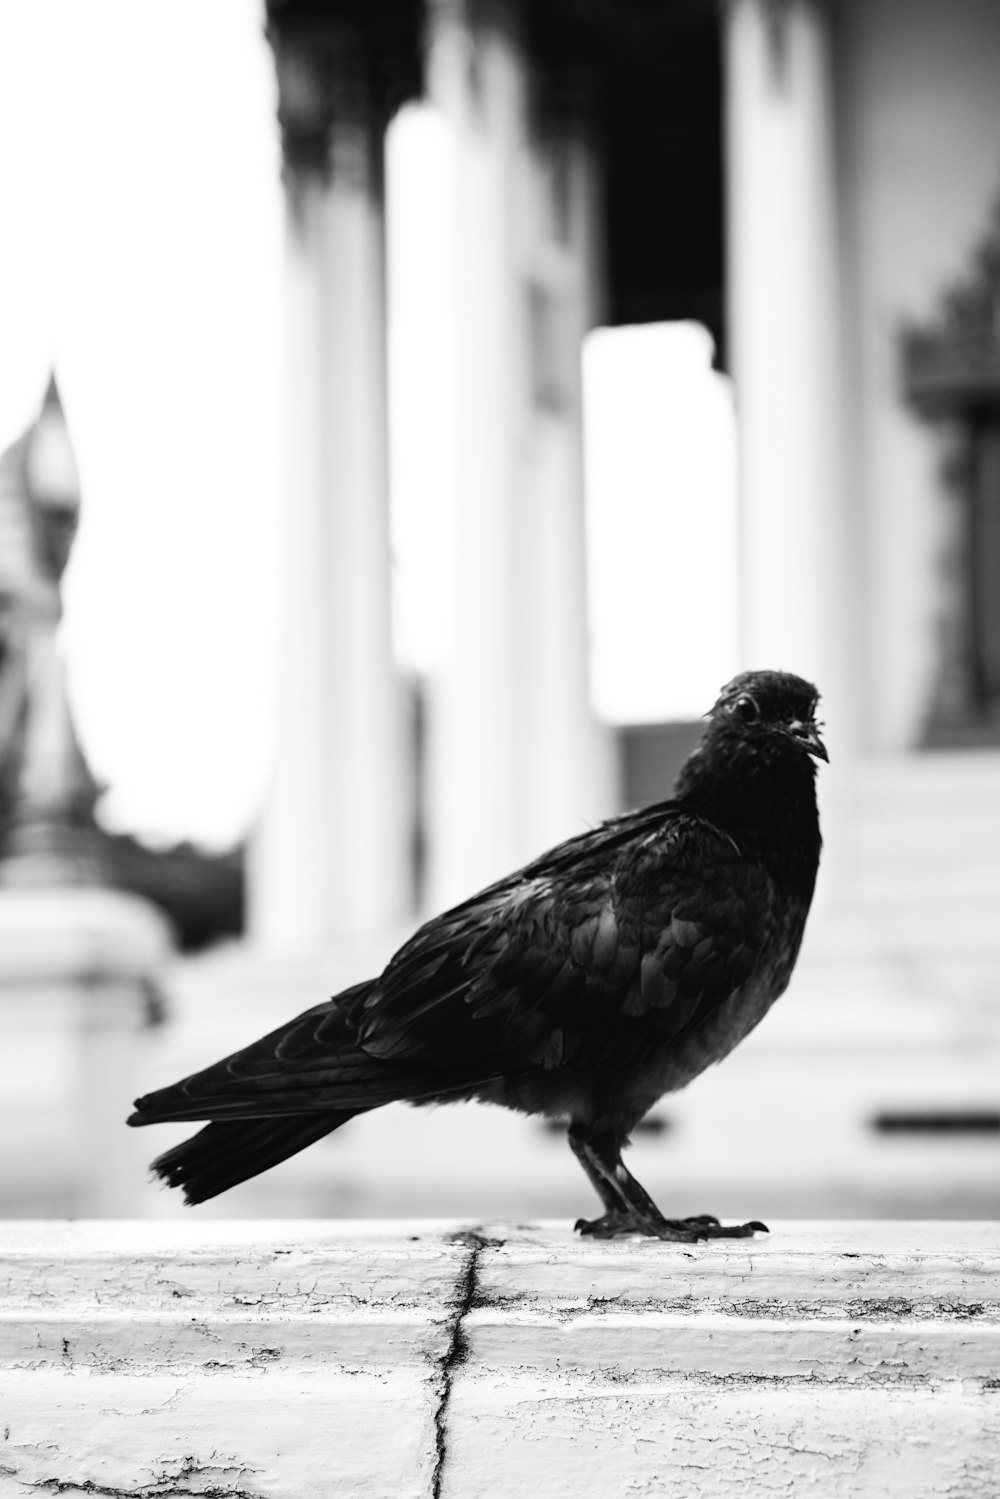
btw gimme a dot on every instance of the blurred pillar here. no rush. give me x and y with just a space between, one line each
784 337
516 758
569 774
331 856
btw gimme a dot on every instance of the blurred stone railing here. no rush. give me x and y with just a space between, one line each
369 1360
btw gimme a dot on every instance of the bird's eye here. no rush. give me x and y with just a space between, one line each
745 709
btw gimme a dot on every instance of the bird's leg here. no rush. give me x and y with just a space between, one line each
604 1184
629 1207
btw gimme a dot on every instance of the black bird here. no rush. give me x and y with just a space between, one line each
609 971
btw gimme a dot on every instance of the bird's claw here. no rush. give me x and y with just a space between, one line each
619 1225
678 1230
716 1230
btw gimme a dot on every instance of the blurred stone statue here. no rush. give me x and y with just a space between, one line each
47 792
49 833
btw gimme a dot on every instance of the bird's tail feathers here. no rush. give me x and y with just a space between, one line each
278 1095
227 1152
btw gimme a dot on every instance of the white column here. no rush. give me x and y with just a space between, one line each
784 330
516 761
331 858
568 778
472 731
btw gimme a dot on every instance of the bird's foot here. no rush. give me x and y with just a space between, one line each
713 1229
615 1225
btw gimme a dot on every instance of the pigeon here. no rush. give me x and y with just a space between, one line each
609 971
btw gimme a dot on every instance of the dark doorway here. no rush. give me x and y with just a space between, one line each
983 581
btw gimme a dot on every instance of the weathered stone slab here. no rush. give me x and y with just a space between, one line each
250 1360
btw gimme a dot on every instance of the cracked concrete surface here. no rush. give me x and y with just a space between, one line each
275 1361
466 1297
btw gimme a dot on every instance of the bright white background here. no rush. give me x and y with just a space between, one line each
141 254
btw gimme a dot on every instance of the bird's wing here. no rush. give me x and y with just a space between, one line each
590 957
311 1063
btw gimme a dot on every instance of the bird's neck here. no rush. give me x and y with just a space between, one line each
764 799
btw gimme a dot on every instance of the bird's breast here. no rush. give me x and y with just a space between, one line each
682 1058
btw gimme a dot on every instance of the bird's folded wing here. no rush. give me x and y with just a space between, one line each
591 957
310 1064
592 960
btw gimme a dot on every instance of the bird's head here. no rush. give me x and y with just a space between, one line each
770 709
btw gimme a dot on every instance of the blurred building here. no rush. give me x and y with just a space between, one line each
816 183
806 179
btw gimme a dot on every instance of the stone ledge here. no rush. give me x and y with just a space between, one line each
436 1359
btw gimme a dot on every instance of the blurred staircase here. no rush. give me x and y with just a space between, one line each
873 1088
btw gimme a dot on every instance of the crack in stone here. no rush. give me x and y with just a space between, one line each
157 1491
465 1299
173 1484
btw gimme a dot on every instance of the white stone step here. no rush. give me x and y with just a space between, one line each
488 1359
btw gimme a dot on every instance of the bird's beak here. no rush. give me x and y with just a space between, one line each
807 734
